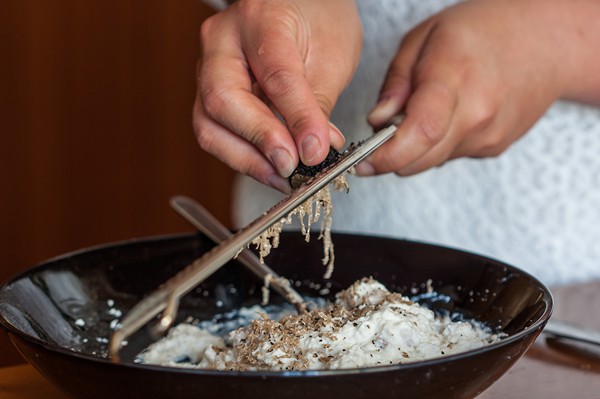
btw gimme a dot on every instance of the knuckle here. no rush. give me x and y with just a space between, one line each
425 70
256 136
204 136
213 99
482 113
430 129
205 133
262 136
384 162
297 121
398 76
493 145
435 111
324 103
277 81
206 29
247 167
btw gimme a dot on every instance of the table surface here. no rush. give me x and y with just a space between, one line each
544 372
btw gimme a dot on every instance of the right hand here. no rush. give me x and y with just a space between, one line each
261 59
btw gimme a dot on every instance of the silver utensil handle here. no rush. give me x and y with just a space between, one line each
167 296
205 222
565 330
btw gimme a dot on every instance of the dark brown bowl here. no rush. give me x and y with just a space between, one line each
58 316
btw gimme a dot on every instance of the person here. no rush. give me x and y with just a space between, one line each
279 80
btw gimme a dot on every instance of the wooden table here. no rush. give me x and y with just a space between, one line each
544 372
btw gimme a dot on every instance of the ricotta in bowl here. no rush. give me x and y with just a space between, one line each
367 325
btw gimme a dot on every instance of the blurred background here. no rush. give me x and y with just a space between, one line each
95 105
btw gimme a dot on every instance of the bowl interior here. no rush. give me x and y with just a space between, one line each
67 306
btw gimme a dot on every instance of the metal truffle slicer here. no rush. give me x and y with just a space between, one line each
205 222
163 303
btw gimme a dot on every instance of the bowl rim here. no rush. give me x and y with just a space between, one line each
538 325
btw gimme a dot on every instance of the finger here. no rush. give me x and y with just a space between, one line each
278 66
428 117
234 151
436 156
397 84
226 94
336 137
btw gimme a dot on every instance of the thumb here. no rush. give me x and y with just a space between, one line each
397 85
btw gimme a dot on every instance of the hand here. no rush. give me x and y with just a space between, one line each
475 77
261 59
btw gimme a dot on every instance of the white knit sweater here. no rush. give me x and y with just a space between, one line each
537 206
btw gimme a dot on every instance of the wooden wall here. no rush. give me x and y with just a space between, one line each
95 112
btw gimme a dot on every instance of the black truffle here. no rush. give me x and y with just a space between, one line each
303 173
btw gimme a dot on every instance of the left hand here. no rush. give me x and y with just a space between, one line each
474 78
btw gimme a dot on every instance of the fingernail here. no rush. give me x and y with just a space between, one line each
383 111
337 138
283 162
310 149
279 183
365 168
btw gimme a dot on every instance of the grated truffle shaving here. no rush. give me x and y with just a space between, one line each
319 206
366 326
